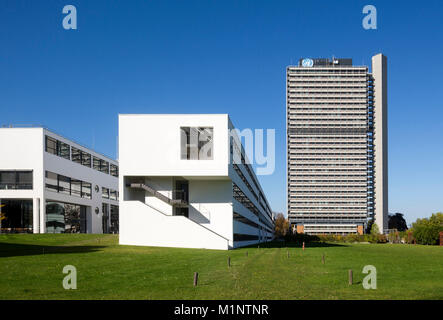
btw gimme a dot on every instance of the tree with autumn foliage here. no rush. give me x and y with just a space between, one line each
281 226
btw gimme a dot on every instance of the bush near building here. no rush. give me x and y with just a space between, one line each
350 238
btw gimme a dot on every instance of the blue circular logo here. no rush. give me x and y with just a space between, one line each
307 62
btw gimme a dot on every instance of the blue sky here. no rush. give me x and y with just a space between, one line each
223 57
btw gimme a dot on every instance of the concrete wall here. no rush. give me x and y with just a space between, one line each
145 226
149 145
379 73
211 205
22 149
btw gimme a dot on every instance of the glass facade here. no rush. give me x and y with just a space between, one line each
114 170
100 165
113 195
64 150
15 216
114 219
109 194
110 218
80 157
105 193
66 185
16 180
65 218
105 218
57 147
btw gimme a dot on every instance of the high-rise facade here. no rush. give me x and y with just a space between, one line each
337 145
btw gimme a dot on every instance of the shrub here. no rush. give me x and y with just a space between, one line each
350 238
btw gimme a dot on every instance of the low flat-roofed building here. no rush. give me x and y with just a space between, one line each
50 184
180 185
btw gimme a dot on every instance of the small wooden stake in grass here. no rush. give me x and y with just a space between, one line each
350 277
246 253
323 259
195 278
229 261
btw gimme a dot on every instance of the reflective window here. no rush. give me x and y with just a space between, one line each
96 163
114 219
15 216
86 190
196 143
81 157
51 181
100 165
104 167
105 193
76 155
63 150
65 218
16 180
76 188
57 147
86 159
105 218
51 145
66 185
114 170
114 195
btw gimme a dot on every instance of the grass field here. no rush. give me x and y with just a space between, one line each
31 268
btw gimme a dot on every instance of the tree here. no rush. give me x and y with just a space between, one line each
375 231
427 230
396 221
281 225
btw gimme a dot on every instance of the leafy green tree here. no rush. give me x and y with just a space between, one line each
375 231
427 230
396 221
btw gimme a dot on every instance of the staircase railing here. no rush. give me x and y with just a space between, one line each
159 195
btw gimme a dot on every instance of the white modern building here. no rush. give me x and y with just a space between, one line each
337 145
185 182
49 184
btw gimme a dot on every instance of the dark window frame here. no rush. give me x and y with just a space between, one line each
19 183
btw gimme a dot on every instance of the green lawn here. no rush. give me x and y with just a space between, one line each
31 268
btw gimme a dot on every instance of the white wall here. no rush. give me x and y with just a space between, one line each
142 225
149 145
211 204
22 149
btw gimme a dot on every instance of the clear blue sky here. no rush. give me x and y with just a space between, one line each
223 57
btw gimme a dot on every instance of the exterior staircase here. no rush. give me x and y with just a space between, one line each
162 197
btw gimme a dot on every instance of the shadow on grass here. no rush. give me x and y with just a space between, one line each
17 250
284 244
